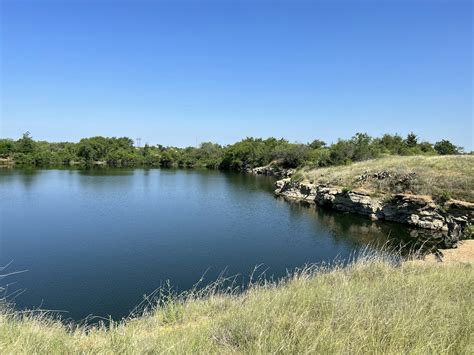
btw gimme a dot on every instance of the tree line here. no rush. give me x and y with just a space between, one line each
245 154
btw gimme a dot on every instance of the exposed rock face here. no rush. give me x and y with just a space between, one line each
448 223
6 162
272 170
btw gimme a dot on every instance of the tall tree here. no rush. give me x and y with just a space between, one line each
412 140
26 143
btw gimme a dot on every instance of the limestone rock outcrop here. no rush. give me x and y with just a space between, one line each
448 222
272 170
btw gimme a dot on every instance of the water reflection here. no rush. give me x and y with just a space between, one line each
347 227
27 176
104 171
95 240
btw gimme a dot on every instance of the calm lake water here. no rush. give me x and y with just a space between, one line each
94 242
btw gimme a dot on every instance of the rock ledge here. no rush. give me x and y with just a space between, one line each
449 223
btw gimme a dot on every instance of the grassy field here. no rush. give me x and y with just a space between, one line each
369 307
438 176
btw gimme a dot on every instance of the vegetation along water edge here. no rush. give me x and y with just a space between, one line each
428 186
369 306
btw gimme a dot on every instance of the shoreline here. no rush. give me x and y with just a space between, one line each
463 253
449 222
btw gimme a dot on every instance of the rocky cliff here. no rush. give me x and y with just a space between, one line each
448 222
271 169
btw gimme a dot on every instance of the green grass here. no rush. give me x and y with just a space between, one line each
368 307
437 176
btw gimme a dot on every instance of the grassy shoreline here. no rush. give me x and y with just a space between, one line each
368 307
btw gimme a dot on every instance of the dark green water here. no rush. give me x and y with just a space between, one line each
94 242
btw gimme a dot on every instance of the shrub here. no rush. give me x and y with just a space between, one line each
445 147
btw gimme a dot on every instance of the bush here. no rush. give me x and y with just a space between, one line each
445 147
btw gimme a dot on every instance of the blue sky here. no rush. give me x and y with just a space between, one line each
181 72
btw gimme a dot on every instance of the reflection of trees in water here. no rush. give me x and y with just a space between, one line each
27 177
100 178
347 228
105 171
254 182
360 231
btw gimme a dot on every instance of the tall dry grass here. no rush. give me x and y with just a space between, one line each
369 306
451 176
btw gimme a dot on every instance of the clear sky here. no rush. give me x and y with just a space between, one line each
178 72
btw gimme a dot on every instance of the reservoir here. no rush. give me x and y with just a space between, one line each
94 242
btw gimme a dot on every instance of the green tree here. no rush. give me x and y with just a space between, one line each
341 152
363 147
412 140
7 147
445 147
391 144
209 155
426 148
292 155
316 144
166 159
26 144
247 153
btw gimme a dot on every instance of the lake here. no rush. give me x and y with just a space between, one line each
94 242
